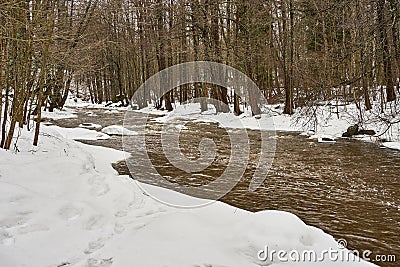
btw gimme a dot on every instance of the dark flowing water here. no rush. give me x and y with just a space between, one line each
349 189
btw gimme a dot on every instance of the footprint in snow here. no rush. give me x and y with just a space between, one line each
139 226
6 238
138 203
17 199
99 263
119 228
13 221
121 213
69 212
32 228
93 246
94 222
99 189
306 240
95 179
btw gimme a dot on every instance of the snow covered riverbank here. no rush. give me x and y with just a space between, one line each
326 121
324 124
63 205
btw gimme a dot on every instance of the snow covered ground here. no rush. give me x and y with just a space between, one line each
392 145
324 124
79 133
62 204
73 102
321 121
65 113
325 120
117 130
91 126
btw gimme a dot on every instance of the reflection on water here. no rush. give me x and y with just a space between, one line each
349 189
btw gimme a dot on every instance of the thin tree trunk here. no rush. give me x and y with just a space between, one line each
387 62
289 73
49 34
3 66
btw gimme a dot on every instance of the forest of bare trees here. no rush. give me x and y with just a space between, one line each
298 52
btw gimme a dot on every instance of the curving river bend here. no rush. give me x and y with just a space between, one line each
350 189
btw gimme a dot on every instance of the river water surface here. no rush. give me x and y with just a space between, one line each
349 189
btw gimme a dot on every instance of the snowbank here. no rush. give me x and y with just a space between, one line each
73 102
66 113
270 120
111 111
325 122
117 130
392 145
66 206
90 126
78 133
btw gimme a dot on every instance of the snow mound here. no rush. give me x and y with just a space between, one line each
117 130
192 111
328 139
66 113
90 126
78 133
91 114
111 111
392 145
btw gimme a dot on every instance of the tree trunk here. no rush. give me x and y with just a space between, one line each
289 73
387 62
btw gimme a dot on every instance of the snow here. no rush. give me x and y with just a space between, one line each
111 111
150 109
73 102
117 130
90 126
91 114
67 207
78 133
392 145
325 123
66 113
326 139
326 118
270 120
229 120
